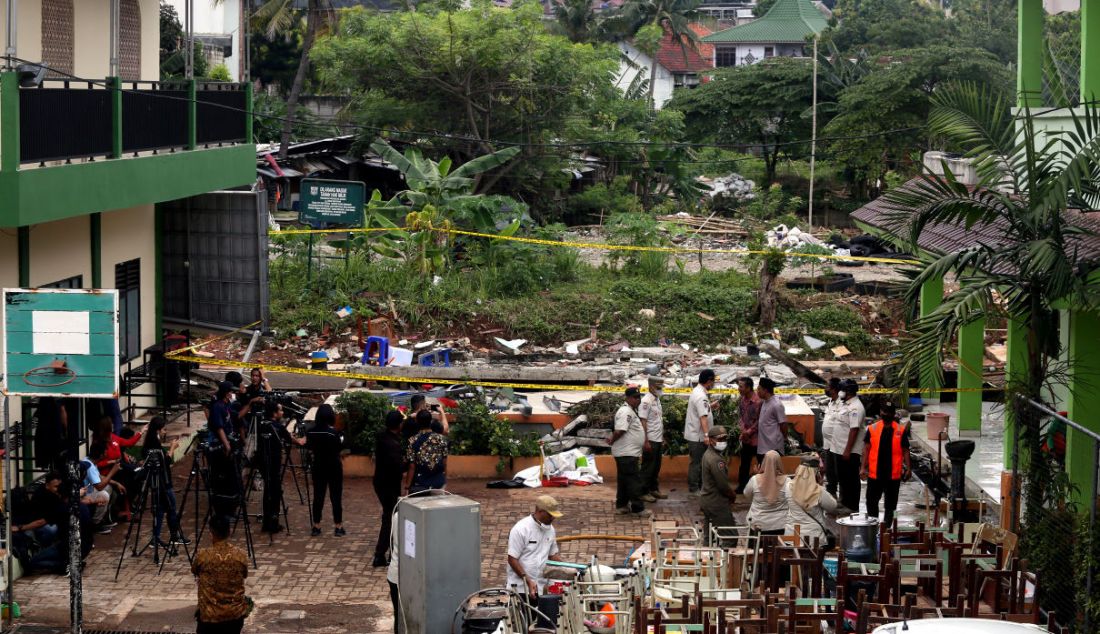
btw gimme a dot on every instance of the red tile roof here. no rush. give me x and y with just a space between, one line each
675 59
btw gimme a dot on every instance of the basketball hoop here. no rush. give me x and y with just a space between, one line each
55 374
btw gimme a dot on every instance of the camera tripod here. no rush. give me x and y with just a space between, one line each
155 491
219 476
261 463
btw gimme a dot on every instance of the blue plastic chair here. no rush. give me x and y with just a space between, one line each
436 358
379 346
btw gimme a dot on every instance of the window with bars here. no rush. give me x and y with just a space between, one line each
128 284
725 56
74 282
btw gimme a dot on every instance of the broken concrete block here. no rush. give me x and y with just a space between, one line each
593 432
509 346
424 345
573 424
648 313
593 442
840 352
813 342
333 353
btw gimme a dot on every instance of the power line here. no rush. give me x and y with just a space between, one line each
494 142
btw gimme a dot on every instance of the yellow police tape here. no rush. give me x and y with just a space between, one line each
537 387
599 245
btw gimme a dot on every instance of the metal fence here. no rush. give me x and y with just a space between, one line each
1057 517
220 113
1062 59
64 120
155 116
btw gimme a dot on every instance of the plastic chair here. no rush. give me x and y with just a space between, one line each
436 358
379 346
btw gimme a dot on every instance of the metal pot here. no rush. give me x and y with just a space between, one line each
859 537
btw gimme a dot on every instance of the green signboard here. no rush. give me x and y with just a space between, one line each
60 342
331 202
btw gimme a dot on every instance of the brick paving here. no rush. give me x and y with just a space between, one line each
322 583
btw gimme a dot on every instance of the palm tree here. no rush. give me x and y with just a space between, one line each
577 20
672 17
1029 185
280 17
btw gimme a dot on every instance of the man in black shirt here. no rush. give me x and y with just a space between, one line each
389 467
46 524
325 443
273 436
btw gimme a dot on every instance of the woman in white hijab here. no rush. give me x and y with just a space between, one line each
808 502
767 494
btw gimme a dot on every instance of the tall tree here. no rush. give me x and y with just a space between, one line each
577 20
1027 184
475 79
279 17
651 20
761 106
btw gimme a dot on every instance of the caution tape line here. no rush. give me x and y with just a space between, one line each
599 245
537 387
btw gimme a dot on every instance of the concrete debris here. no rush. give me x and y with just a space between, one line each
813 343
705 316
424 345
509 346
840 352
333 353
648 313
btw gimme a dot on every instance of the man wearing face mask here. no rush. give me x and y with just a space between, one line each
849 445
531 543
717 494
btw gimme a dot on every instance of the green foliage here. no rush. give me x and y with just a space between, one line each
771 204
220 73
476 431
1086 559
268 113
881 117
640 229
759 104
364 419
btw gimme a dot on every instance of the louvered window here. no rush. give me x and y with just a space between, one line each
128 283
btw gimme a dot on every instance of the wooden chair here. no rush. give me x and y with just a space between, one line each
926 573
872 615
808 614
938 612
803 563
990 539
882 578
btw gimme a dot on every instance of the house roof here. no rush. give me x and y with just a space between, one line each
679 59
941 238
786 21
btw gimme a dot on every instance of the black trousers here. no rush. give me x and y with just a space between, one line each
695 467
845 475
744 472
877 489
222 627
628 484
271 470
330 478
387 493
396 601
651 467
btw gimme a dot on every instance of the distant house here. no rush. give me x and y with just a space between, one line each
781 32
677 66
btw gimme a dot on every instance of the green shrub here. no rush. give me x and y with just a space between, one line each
476 431
365 418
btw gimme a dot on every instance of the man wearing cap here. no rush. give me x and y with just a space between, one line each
850 414
717 494
531 543
652 416
628 441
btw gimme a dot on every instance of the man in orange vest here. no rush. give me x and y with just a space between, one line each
885 462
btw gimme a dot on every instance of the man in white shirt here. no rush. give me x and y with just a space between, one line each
628 443
652 415
696 425
852 414
834 434
531 543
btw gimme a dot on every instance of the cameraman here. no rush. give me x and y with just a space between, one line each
273 437
166 505
225 477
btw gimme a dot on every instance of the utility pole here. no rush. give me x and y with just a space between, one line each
813 140
9 41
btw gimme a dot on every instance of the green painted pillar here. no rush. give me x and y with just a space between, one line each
1030 42
95 230
158 268
9 122
1084 398
1015 374
23 239
971 360
1090 50
248 122
192 115
931 296
115 85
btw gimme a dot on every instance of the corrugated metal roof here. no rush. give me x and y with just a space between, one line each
786 21
943 238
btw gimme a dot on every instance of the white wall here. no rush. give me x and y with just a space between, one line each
91 36
663 82
757 51
129 234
